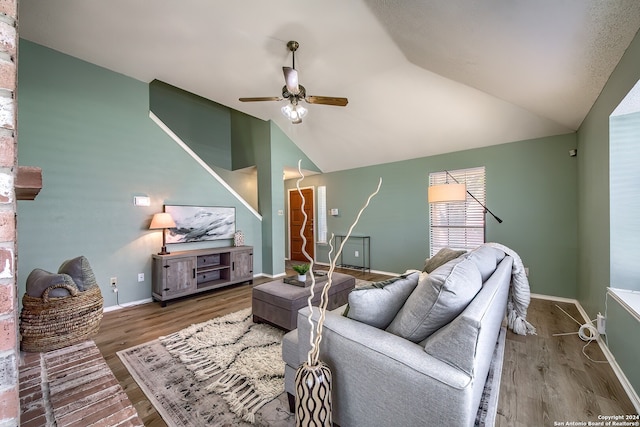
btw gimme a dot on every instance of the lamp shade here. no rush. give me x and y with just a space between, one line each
162 220
447 193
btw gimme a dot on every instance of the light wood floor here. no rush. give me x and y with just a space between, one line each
545 378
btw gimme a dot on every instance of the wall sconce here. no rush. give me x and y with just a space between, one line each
162 221
452 193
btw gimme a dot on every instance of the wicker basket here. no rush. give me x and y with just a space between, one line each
52 323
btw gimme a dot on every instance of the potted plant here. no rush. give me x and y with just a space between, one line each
301 269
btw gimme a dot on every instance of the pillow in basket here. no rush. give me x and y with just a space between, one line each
39 280
80 271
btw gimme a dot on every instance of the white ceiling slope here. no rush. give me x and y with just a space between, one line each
423 77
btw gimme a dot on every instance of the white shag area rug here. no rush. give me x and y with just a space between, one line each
248 355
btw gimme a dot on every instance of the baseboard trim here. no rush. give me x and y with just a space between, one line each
127 304
386 273
555 298
271 276
624 381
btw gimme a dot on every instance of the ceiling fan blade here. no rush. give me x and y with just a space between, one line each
327 100
291 80
264 98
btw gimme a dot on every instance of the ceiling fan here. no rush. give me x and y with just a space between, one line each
295 92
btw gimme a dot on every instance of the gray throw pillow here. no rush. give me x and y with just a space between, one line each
486 258
39 280
443 256
80 271
437 300
378 303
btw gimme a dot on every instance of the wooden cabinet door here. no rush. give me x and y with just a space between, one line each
242 265
179 276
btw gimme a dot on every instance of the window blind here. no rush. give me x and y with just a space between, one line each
458 225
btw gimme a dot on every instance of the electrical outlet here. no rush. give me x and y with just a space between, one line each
526 271
114 282
357 254
140 277
601 325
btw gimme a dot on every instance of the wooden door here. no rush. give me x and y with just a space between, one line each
295 224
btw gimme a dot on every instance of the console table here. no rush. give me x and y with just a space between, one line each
184 273
365 255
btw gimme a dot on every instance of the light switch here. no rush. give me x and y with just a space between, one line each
142 201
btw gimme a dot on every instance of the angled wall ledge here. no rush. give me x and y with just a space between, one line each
202 163
28 182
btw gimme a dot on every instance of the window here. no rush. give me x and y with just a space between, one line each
322 214
458 225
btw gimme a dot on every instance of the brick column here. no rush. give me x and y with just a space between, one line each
9 346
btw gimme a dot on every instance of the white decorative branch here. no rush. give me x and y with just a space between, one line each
316 336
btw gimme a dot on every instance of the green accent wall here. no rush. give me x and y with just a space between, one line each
622 340
202 124
594 266
89 130
531 186
205 126
593 184
267 146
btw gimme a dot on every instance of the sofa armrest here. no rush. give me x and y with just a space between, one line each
478 325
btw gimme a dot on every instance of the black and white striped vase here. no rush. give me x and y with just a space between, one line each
313 395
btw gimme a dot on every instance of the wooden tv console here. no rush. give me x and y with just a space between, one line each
183 273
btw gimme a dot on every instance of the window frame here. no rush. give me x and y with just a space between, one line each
459 225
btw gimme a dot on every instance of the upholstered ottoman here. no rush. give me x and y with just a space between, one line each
278 303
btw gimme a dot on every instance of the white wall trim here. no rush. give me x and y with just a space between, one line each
126 304
624 381
554 298
386 273
201 162
628 300
273 276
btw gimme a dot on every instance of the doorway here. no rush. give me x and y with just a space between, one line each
295 224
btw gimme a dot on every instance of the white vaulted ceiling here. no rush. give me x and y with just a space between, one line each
423 77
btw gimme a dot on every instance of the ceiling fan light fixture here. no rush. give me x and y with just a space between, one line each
293 92
294 112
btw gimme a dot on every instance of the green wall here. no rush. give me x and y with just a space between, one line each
593 184
203 124
89 130
594 271
531 186
265 145
622 339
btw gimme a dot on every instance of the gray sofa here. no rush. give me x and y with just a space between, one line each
382 379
